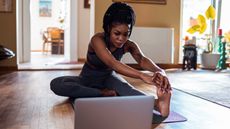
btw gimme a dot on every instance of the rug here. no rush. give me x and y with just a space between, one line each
213 86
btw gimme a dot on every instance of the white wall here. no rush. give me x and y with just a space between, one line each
83 29
39 24
155 42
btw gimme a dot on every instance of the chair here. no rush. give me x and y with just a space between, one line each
53 37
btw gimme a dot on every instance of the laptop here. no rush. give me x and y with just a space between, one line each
122 112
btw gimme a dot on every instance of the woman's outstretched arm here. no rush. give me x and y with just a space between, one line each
98 45
160 78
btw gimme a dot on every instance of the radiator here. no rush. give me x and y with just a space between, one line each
155 43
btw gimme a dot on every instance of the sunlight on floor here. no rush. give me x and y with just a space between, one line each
41 60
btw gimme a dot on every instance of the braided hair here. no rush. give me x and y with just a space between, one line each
118 12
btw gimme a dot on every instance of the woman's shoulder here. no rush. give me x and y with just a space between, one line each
98 35
97 39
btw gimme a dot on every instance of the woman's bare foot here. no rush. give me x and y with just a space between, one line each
107 92
163 102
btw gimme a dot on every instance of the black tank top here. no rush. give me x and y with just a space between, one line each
95 62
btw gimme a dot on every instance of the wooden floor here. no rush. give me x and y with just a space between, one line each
26 102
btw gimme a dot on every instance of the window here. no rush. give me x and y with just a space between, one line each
192 8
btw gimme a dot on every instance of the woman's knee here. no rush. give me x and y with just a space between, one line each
55 85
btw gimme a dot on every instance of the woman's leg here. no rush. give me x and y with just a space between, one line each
162 104
163 101
121 86
72 86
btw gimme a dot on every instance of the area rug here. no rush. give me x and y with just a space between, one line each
213 86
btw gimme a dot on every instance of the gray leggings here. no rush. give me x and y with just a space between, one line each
89 86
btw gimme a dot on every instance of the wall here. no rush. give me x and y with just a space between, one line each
84 29
155 42
8 34
148 15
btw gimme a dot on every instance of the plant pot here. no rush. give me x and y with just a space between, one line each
209 60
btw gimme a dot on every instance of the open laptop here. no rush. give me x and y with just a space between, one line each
123 112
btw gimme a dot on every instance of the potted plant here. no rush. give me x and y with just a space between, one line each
210 56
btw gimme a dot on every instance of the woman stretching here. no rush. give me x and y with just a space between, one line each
99 76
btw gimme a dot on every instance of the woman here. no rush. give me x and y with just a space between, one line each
99 74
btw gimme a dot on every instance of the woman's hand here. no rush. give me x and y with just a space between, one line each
161 80
147 78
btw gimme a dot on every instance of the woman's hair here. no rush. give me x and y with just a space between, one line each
118 12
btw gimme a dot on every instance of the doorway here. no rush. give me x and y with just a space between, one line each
34 17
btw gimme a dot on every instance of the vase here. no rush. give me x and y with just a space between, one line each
209 60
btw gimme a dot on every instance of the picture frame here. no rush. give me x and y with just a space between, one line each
45 8
162 2
86 3
6 6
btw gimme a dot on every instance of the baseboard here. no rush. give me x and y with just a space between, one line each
169 66
8 68
163 66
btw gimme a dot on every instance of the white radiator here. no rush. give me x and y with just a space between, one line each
155 43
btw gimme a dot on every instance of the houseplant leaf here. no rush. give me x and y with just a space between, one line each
210 12
193 29
203 27
202 22
201 19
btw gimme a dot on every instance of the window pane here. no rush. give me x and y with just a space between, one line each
225 17
191 9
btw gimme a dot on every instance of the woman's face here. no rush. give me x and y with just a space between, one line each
119 34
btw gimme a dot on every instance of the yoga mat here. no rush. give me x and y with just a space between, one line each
173 117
